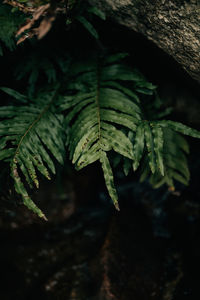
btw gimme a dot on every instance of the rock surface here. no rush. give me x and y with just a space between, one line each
172 25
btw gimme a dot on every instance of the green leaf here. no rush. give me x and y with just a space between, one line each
88 26
126 91
108 176
127 166
158 143
89 137
88 157
138 148
180 128
119 141
150 146
14 94
114 58
120 72
118 118
99 13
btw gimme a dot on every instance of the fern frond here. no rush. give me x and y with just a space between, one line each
101 115
164 152
31 138
174 161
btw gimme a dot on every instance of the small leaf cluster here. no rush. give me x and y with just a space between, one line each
9 22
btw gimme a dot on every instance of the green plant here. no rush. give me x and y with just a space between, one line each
95 110
38 63
9 22
91 109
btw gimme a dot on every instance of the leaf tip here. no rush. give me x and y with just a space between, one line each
162 172
44 217
117 206
36 184
135 166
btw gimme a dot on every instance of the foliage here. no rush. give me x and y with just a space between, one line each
173 161
38 63
85 15
34 134
9 23
91 109
22 21
99 110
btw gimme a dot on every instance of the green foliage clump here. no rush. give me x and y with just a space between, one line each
9 22
96 107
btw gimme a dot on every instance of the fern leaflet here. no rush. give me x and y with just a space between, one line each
175 148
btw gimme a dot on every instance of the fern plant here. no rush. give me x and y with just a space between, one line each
97 109
31 136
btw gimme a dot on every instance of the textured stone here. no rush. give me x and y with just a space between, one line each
173 25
